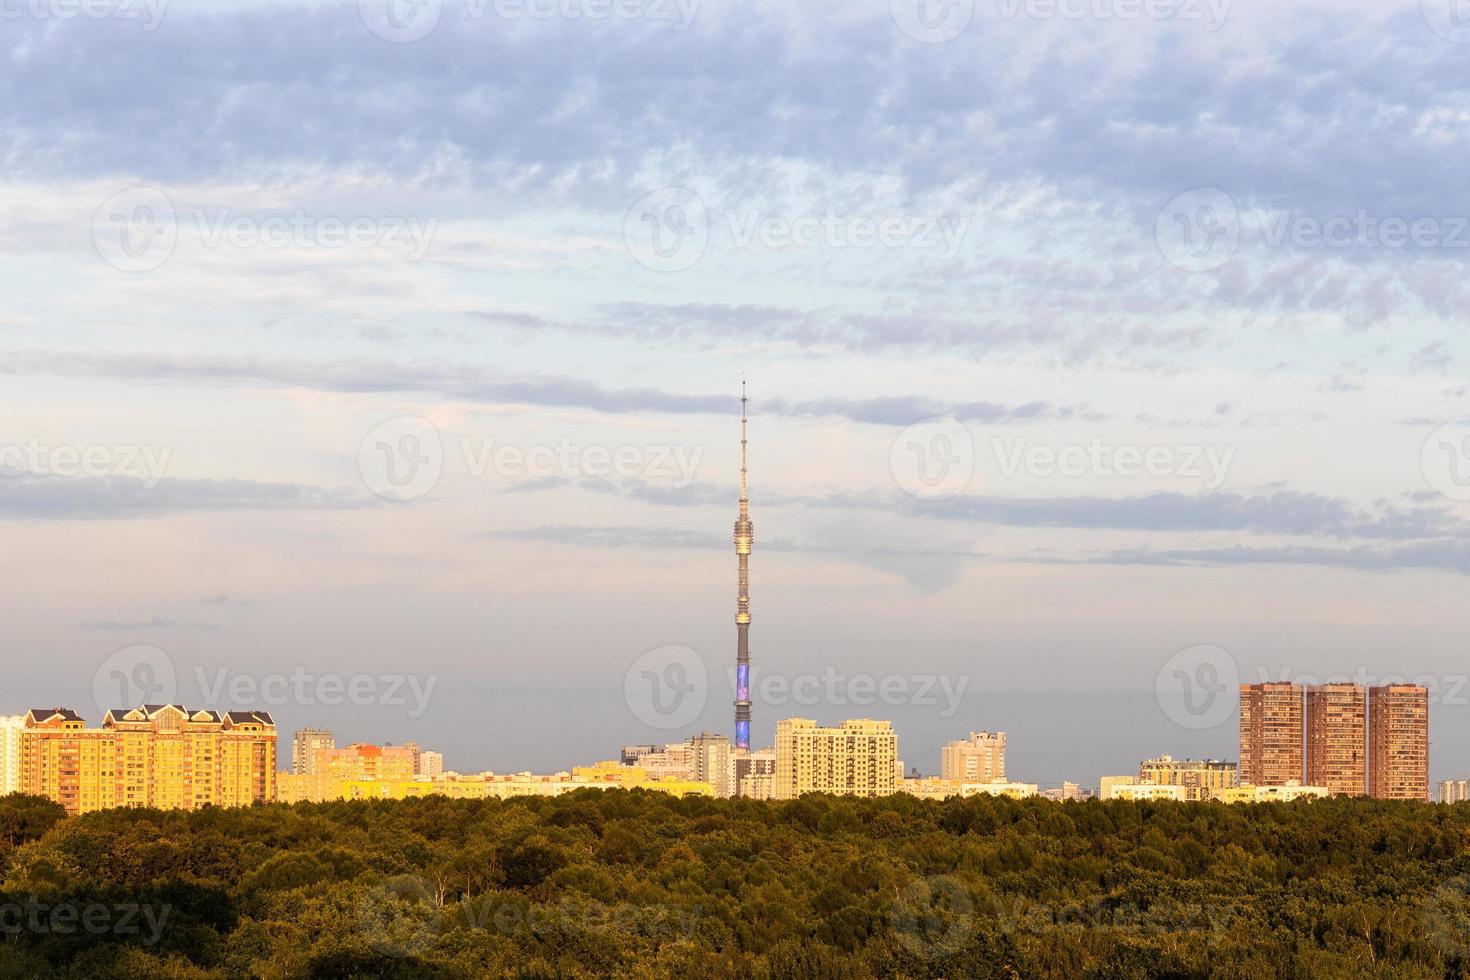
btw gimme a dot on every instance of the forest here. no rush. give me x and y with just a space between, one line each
640 884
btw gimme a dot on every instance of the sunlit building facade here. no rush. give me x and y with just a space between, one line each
164 756
1398 742
1271 734
981 758
857 758
1337 738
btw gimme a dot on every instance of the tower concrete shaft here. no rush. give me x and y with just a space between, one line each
744 537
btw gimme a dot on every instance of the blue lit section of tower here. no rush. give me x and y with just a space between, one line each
744 537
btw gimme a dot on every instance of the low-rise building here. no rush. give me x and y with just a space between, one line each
939 788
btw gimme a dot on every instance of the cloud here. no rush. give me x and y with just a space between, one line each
470 385
156 623
33 497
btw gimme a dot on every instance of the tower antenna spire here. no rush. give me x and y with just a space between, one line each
744 537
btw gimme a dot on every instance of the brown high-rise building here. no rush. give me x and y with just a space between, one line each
1270 733
1337 738
1398 742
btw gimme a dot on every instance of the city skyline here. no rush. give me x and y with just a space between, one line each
240 434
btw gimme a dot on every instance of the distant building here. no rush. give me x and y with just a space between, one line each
1066 791
857 758
1198 777
1271 734
1398 742
939 788
154 755
1337 738
304 745
755 774
1246 793
673 761
714 762
1131 788
430 764
1454 790
11 727
632 753
979 759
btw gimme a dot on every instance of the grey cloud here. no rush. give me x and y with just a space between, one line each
156 623
1277 511
33 497
361 377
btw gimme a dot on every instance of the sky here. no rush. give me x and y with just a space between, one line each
378 364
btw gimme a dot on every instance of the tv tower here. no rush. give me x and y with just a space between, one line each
744 536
